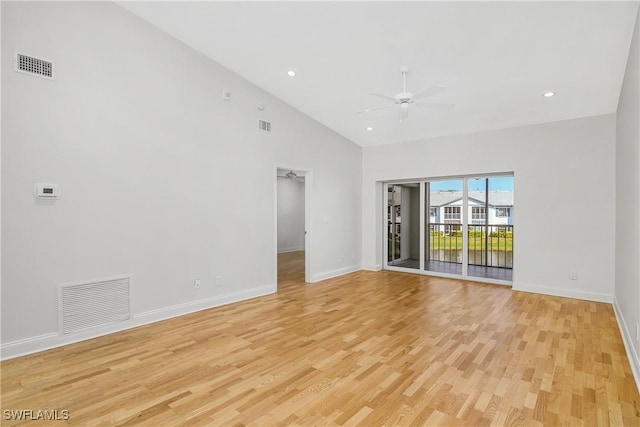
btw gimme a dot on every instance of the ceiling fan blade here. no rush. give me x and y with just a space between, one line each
375 108
403 113
436 106
388 98
433 90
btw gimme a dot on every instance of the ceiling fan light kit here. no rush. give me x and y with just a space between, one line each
404 99
291 175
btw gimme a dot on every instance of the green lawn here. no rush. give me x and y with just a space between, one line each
449 242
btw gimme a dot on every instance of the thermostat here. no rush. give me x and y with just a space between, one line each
45 190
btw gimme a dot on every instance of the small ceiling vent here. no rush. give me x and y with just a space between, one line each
264 126
34 66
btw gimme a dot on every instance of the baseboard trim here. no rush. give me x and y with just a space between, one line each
335 273
49 341
29 345
627 339
558 292
165 313
376 267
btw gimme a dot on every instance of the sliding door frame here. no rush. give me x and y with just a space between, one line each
424 227
385 233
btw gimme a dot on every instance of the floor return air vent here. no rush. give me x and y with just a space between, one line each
87 305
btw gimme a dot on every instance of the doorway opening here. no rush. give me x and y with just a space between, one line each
292 219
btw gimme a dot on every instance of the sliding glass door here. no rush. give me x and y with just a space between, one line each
490 230
459 227
443 230
403 225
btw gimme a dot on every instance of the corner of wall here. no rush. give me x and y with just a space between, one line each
560 292
632 352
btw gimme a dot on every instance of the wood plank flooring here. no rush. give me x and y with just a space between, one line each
369 348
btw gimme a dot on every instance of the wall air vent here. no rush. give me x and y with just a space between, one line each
264 126
92 304
34 66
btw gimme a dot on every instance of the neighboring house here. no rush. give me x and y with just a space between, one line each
446 208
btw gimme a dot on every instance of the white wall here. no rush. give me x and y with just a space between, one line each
160 177
560 170
627 251
290 215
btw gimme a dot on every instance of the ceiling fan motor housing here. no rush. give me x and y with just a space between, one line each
404 96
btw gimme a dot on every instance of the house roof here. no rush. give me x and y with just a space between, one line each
496 198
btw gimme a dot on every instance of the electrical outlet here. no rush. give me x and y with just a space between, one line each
218 280
196 284
341 258
573 275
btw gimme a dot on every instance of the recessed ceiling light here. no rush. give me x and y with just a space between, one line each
548 94
291 73
369 128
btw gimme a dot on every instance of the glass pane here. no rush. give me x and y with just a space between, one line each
403 225
393 237
443 228
490 227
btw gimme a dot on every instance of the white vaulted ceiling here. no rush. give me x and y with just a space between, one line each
494 59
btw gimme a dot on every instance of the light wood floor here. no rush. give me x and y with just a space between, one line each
290 269
367 349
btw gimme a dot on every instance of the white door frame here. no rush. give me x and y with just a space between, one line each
308 181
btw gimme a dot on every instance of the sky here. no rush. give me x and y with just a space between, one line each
495 184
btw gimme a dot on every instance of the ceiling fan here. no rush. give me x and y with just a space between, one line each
291 175
404 98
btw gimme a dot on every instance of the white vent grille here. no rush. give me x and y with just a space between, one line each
34 66
95 303
264 126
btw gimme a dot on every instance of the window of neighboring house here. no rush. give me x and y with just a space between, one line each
503 212
478 212
433 211
452 212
